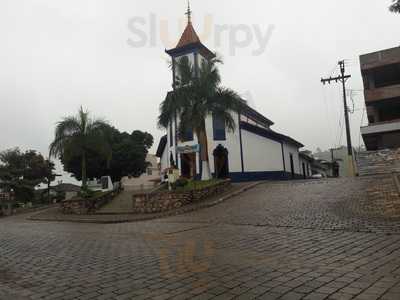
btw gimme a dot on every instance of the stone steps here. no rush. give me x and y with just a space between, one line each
378 162
122 203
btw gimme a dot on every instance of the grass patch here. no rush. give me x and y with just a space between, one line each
194 185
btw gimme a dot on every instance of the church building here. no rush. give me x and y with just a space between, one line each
253 151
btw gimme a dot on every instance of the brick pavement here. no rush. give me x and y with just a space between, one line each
273 242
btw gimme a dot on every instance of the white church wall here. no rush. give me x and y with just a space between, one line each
291 149
164 160
231 143
306 165
261 154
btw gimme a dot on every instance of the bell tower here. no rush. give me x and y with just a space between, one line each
189 46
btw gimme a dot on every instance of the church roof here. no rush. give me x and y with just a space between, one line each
188 37
190 41
270 134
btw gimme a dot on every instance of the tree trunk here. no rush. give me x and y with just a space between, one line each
48 190
205 163
84 177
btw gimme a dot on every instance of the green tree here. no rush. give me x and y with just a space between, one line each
128 157
395 7
79 136
21 172
198 94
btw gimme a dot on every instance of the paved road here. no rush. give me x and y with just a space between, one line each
278 241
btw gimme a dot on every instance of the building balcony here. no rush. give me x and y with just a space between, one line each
381 127
383 135
379 94
380 58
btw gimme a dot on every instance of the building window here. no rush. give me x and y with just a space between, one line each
188 135
219 128
171 136
149 172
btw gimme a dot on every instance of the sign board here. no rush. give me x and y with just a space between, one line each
189 149
173 175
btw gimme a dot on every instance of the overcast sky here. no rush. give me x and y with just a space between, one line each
108 56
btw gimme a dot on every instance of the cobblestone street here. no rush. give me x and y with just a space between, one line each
303 240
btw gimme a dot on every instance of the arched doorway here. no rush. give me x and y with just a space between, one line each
221 162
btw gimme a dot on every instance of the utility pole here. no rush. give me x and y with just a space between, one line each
343 78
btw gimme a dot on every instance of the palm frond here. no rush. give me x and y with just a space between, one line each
66 128
395 7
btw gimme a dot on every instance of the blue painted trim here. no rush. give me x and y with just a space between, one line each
200 164
270 134
283 157
241 143
196 64
257 176
189 49
176 139
173 73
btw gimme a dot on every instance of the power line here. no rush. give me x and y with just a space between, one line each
343 78
329 117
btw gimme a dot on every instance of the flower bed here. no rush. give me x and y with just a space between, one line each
168 200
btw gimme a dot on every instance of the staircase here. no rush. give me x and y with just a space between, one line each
121 204
381 169
379 162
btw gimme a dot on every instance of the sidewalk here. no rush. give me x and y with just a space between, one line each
54 214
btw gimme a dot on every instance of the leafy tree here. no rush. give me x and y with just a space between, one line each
80 136
395 7
49 176
128 156
22 171
198 94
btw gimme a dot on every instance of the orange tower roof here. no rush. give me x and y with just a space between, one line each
188 37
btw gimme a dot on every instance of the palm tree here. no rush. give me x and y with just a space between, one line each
395 7
77 135
196 96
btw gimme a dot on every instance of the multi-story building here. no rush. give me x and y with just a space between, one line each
381 76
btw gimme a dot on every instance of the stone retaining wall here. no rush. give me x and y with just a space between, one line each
382 168
165 201
80 206
383 195
379 162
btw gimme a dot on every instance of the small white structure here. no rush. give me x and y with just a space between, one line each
252 152
103 184
147 180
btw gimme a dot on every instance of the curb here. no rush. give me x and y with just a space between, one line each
180 211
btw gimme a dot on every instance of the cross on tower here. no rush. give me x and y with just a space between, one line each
189 13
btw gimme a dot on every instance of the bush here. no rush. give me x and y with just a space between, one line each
180 183
86 193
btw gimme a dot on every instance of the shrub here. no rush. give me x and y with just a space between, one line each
86 193
180 183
